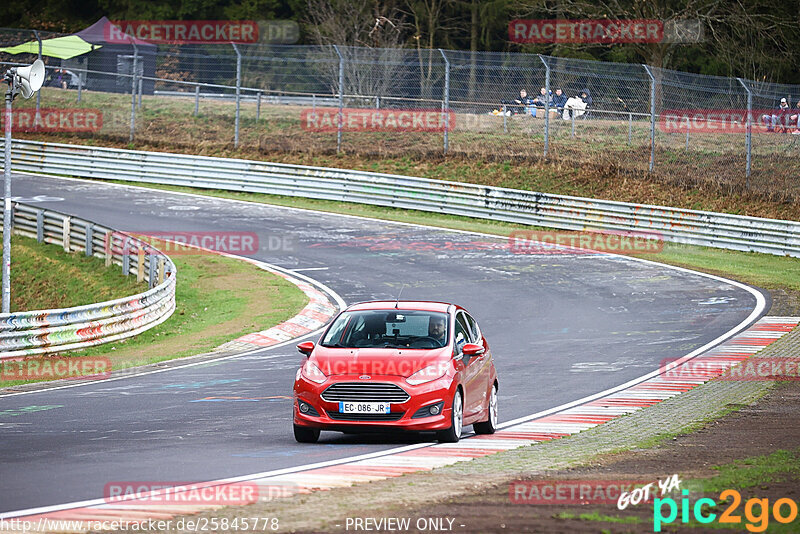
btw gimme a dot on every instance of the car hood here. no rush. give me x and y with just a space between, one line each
370 361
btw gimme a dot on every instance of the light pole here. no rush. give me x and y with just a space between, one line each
25 80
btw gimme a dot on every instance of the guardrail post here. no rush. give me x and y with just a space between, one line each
140 264
340 119
89 237
630 127
133 91
66 233
652 117
109 248
161 265
126 256
40 226
196 100
151 269
446 99
748 136
238 93
258 106
546 105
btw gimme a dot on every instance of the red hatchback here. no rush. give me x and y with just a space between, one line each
415 366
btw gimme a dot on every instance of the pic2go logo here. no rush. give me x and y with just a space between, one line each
756 511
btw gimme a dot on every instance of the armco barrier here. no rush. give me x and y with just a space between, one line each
42 331
511 205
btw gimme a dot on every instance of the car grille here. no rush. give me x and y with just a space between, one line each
392 416
365 392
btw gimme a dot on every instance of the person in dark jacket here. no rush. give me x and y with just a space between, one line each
586 96
559 100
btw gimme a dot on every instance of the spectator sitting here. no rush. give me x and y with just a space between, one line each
796 119
576 106
541 101
518 105
778 118
559 100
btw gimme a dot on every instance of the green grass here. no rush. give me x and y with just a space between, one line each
756 471
217 299
596 516
45 277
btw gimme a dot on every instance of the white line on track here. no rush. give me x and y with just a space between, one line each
757 312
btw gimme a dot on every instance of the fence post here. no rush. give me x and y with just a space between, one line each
238 93
139 103
505 124
446 99
748 136
133 91
546 105
38 93
630 127
572 128
258 106
80 88
196 100
341 100
652 117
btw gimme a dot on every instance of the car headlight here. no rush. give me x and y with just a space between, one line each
431 372
313 373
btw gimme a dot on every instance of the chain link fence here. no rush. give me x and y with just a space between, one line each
267 97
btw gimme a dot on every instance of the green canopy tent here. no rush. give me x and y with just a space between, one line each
59 47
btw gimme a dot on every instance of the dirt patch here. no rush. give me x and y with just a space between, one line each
756 430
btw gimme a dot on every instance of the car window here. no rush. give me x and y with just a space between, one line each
462 334
408 329
473 326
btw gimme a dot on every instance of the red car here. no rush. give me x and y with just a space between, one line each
385 366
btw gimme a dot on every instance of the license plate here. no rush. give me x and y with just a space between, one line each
364 407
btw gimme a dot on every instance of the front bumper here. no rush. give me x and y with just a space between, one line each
439 391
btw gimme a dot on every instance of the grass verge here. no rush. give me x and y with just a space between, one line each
45 277
217 299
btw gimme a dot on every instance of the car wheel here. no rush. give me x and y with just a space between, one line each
453 434
490 425
304 434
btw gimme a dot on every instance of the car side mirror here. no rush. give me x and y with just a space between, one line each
306 347
471 349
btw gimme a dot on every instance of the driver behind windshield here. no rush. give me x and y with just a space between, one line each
437 329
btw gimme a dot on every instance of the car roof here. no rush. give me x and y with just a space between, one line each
421 305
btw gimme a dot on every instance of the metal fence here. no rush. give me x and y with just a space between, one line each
253 96
495 203
44 331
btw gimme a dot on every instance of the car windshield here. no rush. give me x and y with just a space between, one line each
406 329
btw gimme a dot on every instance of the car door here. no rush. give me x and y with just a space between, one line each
484 370
472 386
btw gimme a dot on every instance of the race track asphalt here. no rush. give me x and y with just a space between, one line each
561 327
